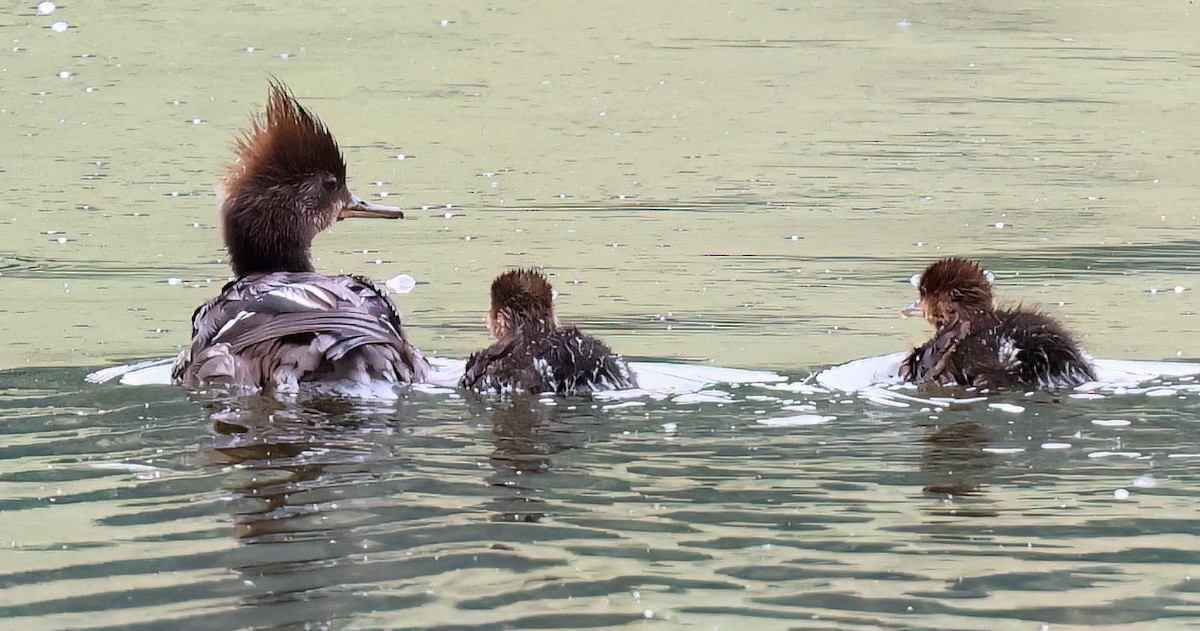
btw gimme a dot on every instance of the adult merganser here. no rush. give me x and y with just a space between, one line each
977 344
532 353
279 324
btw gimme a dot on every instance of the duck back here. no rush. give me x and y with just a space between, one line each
562 361
284 329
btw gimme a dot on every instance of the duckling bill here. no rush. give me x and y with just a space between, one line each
279 323
533 354
976 344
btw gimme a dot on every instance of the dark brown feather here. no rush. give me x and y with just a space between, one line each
975 344
532 353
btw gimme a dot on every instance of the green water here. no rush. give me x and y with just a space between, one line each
742 184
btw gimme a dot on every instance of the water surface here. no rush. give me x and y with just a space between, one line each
743 184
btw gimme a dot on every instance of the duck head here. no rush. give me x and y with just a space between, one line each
288 184
521 300
952 290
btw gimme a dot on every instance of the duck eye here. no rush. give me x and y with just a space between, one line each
330 183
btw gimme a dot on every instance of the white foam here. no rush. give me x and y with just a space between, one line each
877 379
704 396
658 380
794 421
625 404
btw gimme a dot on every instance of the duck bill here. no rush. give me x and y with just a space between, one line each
358 208
915 310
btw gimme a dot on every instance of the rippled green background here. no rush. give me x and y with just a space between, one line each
749 184
661 154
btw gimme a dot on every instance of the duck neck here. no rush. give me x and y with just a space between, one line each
263 242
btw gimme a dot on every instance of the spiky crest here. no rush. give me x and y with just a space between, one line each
521 298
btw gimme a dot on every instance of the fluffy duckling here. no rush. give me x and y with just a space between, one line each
532 353
976 344
279 323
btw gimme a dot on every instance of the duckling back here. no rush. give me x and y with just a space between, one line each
562 361
1007 349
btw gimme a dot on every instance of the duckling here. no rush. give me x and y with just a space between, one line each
279 324
976 344
532 353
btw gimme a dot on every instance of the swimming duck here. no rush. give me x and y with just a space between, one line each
532 353
279 324
976 344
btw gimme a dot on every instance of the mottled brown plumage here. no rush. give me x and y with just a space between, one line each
521 299
532 353
976 344
280 324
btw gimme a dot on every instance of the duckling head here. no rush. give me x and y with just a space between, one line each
521 300
952 290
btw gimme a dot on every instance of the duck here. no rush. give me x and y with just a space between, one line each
533 353
279 324
977 344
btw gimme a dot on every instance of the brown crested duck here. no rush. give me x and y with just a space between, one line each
279 324
976 344
533 353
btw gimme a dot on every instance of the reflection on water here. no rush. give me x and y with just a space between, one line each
747 184
137 507
526 436
955 460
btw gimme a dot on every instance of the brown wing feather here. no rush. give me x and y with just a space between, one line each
266 330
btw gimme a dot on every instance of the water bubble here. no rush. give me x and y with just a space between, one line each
1121 494
1145 481
401 283
64 74
60 27
45 8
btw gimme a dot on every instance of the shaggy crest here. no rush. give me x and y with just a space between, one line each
522 296
286 143
955 284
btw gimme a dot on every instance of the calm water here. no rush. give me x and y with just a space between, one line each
741 184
